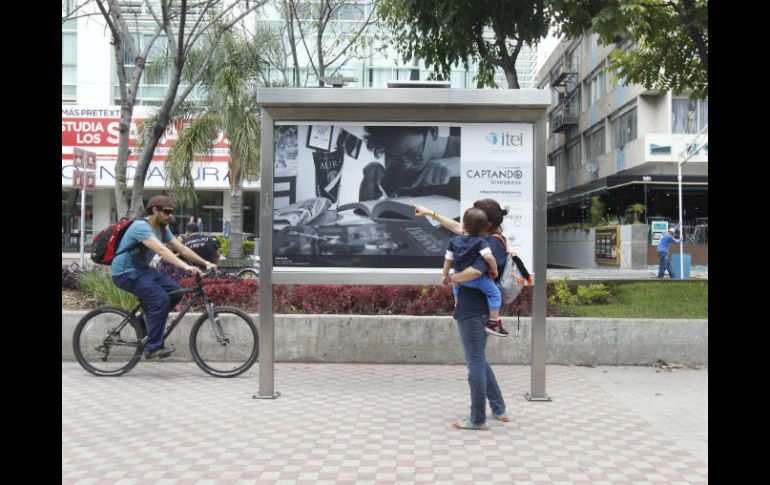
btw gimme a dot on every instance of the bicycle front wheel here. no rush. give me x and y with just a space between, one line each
226 347
105 344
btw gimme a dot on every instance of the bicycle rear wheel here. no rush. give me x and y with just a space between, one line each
231 355
248 273
101 349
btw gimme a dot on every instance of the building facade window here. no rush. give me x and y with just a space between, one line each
596 87
208 208
69 60
624 129
573 162
574 57
70 220
557 160
595 144
688 116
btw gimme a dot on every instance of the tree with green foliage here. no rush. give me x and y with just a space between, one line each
182 30
597 210
446 33
637 210
668 39
230 106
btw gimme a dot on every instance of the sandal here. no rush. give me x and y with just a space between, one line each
466 423
501 417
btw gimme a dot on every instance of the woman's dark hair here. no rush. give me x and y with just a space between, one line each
475 221
494 212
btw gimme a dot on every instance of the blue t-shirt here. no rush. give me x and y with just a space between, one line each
465 250
470 301
665 241
139 257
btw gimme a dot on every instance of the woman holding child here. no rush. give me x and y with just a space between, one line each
472 314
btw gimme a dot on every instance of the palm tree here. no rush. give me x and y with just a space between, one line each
229 106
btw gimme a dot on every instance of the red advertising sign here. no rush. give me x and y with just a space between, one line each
84 159
77 179
98 129
78 156
90 181
91 160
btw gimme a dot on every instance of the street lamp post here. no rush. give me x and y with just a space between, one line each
687 154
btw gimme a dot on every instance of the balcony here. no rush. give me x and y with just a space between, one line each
563 117
563 75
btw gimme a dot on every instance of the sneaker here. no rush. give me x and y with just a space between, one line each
160 353
501 417
466 423
495 327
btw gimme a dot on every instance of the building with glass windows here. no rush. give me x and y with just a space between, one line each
620 142
377 63
91 106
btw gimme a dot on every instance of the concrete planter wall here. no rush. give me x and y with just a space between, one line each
575 248
572 249
434 340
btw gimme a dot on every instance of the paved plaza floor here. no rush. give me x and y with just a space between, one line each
383 424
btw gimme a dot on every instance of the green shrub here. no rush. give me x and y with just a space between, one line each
248 248
597 210
98 284
224 245
588 294
562 293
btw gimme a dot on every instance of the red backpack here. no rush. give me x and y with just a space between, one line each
106 242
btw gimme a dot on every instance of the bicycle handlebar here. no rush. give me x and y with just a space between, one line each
209 272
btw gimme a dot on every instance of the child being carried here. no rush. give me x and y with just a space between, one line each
466 249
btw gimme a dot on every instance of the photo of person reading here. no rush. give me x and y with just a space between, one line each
418 161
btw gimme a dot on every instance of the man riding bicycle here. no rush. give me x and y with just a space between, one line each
131 269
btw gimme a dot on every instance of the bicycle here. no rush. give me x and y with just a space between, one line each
250 273
109 340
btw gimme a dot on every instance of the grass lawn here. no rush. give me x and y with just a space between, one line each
654 299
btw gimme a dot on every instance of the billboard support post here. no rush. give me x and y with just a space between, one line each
538 343
266 314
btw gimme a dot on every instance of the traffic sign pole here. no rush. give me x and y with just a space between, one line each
84 178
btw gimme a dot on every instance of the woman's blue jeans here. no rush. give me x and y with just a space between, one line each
481 379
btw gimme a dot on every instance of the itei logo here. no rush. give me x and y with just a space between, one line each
506 139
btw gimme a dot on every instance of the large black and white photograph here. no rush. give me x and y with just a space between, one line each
343 194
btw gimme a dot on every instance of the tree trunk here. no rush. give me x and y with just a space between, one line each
321 67
507 60
511 77
292 42
156 132
121 191
235 250
509 66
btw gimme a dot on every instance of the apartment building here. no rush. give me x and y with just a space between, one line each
620 142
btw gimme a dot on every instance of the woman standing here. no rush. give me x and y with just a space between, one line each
471 314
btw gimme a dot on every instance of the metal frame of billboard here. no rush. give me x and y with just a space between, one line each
361 105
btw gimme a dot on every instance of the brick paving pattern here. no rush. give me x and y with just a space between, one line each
170 423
